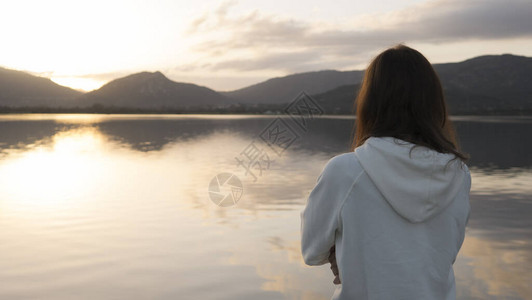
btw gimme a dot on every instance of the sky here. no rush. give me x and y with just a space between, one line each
226 45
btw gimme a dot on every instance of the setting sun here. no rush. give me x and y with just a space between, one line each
82 84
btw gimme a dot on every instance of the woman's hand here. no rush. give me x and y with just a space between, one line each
334 266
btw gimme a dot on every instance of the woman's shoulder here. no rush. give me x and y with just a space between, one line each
343 166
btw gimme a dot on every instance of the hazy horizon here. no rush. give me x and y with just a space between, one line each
227 90
226 45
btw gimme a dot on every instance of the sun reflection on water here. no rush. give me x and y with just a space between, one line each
48 174
103 205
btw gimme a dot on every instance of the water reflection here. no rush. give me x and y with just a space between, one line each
106 206
494 269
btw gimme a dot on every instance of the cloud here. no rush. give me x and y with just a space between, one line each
254 41
290 62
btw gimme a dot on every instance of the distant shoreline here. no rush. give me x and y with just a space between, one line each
84 111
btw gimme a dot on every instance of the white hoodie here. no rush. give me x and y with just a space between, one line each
397 221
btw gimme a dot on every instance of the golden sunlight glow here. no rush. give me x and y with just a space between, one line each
79 83
51 175
69 39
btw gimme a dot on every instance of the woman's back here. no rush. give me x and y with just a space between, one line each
397 220
396 207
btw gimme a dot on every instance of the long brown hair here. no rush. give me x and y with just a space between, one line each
401 96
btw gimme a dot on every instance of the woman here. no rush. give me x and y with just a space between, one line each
390 216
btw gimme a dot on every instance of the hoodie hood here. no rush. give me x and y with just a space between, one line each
417 186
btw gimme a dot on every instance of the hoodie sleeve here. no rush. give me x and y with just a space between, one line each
320 217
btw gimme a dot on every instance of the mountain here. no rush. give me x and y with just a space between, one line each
284 89
22 89
486 84
491 84
147 90
339 100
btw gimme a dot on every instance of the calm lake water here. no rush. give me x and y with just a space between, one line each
118 207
